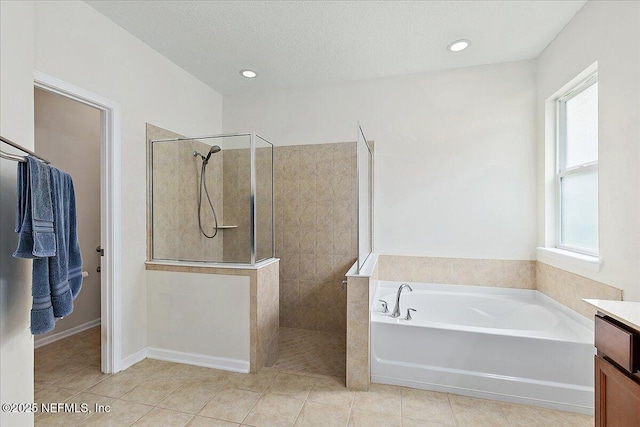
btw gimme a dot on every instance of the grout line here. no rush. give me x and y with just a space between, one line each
453 414
254 405
353 401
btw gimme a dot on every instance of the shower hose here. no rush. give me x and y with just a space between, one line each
203 184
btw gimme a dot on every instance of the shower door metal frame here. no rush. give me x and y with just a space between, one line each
361 263
254 210
252 195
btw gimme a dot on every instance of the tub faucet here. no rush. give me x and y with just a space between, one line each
396 310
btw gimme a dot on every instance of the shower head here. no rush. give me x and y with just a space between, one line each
214 149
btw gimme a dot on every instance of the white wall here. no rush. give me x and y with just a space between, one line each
607 32
455 170
190 313
16 123
69 134
76 44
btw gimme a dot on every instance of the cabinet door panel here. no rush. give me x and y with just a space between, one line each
617 397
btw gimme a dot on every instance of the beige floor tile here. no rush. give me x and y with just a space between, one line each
297 386
331 391
165 418
53 370
273 410
468 411
83 379
525 416
230 405
410 422
191 397
64 349
118 384
210 422
53 394
578 420
361 418
90 357
253 382
315 414
152 391
149 367
67 419
380 398
122 414
216 375
425 405
189 372
318 352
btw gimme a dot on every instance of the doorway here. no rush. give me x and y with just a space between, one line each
103 288
69 134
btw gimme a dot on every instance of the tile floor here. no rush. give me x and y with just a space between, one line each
156 393
314 352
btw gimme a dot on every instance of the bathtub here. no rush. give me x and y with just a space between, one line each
513 345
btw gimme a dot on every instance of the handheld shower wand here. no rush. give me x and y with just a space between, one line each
214 149
203 184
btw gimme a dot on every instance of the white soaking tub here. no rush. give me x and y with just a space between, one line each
512 345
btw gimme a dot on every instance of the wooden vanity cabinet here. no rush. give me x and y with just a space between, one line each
617 374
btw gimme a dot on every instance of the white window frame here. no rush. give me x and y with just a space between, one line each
562 171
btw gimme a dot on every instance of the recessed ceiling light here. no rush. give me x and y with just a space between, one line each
459 45
250 74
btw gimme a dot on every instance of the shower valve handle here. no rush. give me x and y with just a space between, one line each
409 310
385 308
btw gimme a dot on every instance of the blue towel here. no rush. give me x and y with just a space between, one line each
57 279
34 219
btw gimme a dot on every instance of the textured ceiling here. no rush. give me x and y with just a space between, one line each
302 43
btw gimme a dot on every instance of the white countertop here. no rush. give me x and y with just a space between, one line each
627 312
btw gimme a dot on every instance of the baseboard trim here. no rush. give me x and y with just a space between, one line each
41 342
131 360
235 365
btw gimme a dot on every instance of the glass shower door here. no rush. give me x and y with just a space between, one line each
365 198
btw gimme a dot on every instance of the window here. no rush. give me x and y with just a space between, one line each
577 169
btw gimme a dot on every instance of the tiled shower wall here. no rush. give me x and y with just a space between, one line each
176 176
237 204
316 237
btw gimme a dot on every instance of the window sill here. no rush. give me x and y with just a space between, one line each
567 258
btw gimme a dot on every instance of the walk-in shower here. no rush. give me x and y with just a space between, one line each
211 198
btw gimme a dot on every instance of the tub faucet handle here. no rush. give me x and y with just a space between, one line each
409 310
385 308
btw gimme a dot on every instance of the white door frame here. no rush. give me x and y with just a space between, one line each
110 213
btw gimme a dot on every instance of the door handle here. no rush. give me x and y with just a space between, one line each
100 250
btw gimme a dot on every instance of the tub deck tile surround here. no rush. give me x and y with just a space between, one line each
459 271
209 397
264 306
563 286
569 289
